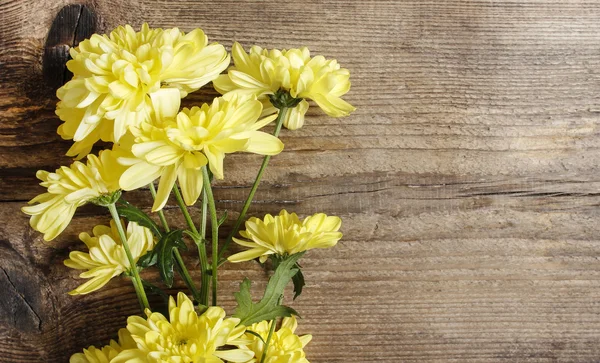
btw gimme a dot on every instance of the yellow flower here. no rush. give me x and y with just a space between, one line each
176 145
106 257
114 75
107 353
286 234
185 337
263 72
71 187
284 347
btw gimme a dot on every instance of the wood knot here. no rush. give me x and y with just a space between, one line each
73 24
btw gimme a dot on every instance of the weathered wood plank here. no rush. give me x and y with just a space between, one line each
467 179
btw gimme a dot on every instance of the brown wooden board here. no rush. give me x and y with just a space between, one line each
467 179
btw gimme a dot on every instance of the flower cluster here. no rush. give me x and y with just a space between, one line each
114 76
71 187
285 346
185 336
126 89
263 72
175 145
285 234
107 257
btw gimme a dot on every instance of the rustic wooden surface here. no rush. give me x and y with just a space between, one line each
467 179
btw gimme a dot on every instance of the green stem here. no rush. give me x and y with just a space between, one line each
238 222
135 275
161 214
271 331
184 210
215 232
202 253
184 271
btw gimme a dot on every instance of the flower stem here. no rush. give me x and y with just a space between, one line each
271 331
184 271
184 210
161 214
215 232
135 278
202 253
238 222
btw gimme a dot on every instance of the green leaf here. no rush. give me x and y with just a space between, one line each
164 248
269 307
149 259
134 214
256 335
222 219
298 280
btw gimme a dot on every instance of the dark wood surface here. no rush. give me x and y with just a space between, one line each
467 179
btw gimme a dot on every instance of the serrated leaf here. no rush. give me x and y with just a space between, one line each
134 214
269 307
164 248
298 280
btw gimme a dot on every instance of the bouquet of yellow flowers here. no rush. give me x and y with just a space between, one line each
126 90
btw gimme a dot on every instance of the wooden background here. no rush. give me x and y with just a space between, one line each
467 179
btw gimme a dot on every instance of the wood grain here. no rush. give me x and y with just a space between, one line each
467 179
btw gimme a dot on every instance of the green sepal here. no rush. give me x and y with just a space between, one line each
107 199
134 214
170 241
268 308
283 99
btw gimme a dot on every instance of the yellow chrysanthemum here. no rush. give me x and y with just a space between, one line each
263 72
107 353
114 75
106 257
185 337
71 187
177 145
284 346
286 234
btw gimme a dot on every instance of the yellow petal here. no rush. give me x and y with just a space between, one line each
248 255
139 175
263 143
190 181
167 180
166 102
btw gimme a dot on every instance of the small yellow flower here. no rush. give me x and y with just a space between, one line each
286 234
263 72
284 347
107 353
114 75
71 187
106 257
176 145
185 337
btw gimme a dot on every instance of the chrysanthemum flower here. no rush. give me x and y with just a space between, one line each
71 187
114 75
286 234
106 257
263 72
284 347
107 353
176 145
185 337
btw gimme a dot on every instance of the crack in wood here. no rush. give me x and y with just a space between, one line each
24 300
